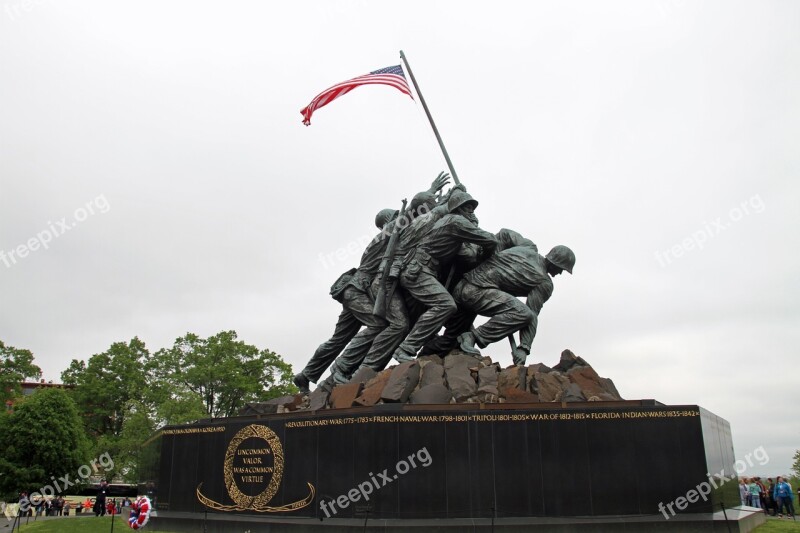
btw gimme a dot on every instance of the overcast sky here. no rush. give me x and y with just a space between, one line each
659 140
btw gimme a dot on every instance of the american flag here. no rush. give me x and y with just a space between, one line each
386 76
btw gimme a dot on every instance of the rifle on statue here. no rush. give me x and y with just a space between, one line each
386 264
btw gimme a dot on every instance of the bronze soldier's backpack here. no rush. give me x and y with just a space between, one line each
337 289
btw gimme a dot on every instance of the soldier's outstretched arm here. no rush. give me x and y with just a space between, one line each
468 232
438 184
429 197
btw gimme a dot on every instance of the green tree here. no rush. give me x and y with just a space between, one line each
125 393
8 470
105 386
109 389
43 439
221 372
178 406
796 464
15 365
138 427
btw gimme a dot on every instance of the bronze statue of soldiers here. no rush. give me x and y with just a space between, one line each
353 290
462 320
381 335
424 213
423 265
356 309
492 288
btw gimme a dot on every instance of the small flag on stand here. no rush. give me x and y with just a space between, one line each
386 76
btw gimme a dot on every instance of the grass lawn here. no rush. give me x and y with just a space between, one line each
85 524
779 526
93 524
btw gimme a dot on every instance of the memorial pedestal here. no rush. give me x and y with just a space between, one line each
560 465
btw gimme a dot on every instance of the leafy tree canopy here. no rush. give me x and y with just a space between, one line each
43 438
220 372
105 386
15 366
124 394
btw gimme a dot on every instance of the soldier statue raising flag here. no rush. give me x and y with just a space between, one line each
431 266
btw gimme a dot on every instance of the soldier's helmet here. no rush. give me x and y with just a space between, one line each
562 257
460 198
426 198
384 216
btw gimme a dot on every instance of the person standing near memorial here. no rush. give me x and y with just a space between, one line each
743 492
771 508
783 497
100 501
755 500
762 494
23 501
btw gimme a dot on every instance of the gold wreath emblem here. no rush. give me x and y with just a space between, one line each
245 502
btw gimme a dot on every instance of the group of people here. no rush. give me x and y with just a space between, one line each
774 497
57 506
432 266
60 506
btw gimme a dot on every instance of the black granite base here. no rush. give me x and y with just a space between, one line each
597 460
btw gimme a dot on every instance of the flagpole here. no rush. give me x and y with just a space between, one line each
430 119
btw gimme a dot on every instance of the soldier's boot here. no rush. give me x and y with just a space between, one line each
302 383
466 341
428 349
327 384
402 356
437 346
338 375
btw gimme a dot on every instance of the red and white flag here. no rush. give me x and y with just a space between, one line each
386 76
